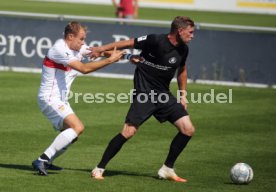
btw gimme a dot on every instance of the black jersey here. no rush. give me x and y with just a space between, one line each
161 60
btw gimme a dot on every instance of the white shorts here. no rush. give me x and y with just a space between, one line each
56 111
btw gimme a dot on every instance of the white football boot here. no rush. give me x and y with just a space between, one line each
169 174
97 173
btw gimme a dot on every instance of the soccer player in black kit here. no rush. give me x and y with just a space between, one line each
162 55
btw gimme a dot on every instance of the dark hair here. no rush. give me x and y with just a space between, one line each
181 22
73 28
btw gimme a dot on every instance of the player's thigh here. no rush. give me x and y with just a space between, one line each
170 111
139 111
185 126
56 112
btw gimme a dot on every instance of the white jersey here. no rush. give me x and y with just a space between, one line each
57 76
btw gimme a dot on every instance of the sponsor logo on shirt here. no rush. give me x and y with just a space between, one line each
159 67
172 60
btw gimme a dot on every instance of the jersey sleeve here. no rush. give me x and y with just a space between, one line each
84 50
144 42
61 54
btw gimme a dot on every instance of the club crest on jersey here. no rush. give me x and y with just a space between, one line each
142 38
61 107
172 60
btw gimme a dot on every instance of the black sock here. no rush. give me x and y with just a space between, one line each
44 157
178 144
112 149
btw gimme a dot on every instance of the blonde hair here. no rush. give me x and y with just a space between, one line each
74 28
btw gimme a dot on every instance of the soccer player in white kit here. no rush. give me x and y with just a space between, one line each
60 67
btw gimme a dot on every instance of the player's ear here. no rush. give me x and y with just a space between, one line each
180 30
70 36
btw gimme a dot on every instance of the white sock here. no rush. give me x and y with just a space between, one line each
63 140
58 153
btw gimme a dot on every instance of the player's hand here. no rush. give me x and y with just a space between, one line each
135 59
183 102
95 52
116 55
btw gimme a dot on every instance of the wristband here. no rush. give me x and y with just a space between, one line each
127 56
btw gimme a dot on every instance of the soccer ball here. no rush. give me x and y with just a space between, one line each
241 173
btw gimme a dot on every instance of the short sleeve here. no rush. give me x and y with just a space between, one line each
84 50
60 53
144 41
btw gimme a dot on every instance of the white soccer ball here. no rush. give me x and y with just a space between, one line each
241 173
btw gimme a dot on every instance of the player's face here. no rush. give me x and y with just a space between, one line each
78 40
185 35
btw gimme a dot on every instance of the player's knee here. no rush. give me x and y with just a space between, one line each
190 130
128 134
79 128
128 131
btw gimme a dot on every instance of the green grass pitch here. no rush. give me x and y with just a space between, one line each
243 131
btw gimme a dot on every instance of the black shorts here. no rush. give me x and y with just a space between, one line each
139 111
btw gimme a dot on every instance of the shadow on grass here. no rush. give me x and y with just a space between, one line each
231 183
23 167
112 173
107 173
15 166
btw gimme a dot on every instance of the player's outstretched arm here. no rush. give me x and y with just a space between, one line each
126 44
135 59
95 65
